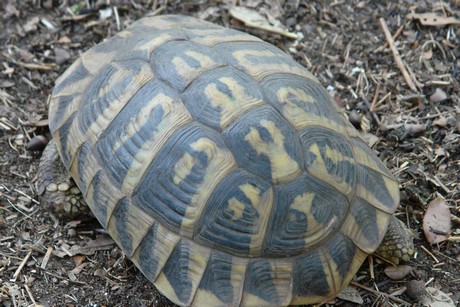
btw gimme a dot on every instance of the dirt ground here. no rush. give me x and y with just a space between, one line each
409 113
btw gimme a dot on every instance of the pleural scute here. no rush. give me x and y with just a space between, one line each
221 166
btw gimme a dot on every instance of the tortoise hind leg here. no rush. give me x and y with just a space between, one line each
56 189
397 245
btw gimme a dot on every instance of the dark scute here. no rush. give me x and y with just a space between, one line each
365 216
64 138
375 184
259 280
63 103
79 73
288 226
219 227
148 264
363 146
228 48
121 215
162 57
342 251
246 155
176 271
82 166
327 140
99 201
118 163
198 103
321 104
157 194
309 276
108 87
217 277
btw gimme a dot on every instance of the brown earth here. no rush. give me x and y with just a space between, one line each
415 128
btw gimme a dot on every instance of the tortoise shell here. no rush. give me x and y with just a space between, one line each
219 165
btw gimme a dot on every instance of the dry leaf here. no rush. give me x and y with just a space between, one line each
254 19
352 295
439 298
102 242
77 260
398 272
31 24
427 55
436 222
370 139
77 270
100 272
61 55
431 19
441 121
438 95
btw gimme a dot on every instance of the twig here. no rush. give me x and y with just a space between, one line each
371 267
371 111
429 253
28 197
47 257
21 266
398 32
396 55
30 294
394 298
117 17
376 96
64 278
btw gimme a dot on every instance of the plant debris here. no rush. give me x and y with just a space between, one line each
436 222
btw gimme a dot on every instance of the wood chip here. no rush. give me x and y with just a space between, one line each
46 258
432 19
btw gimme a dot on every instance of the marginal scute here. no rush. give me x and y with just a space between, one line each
222 282
129 225
82 167
320 274
183 271
212 37
268 282
367 157
154 250
378 189
364 225
102 200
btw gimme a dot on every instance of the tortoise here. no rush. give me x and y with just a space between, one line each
219 165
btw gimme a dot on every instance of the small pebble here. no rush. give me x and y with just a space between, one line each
416 290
